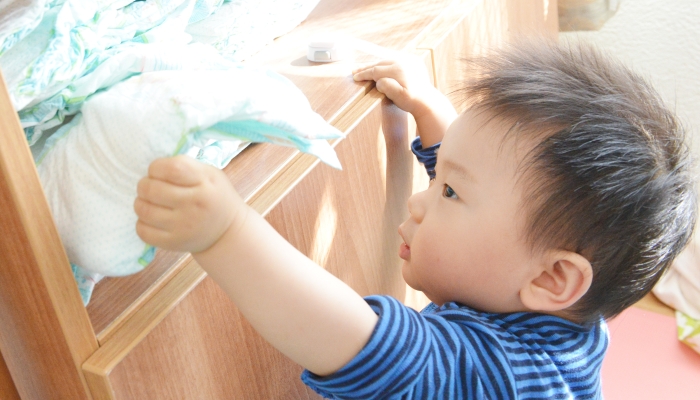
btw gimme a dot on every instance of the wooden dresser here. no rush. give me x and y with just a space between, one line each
169 332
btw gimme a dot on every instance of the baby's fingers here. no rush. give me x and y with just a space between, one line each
378 72
161 193
392 90
372 65
372 73
153 236
153 215
179 170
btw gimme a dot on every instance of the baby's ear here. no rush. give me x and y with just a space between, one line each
564 277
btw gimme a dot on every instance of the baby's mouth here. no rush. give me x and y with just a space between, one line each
404 248
405 251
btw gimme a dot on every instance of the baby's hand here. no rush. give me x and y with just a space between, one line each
185 205
405 82
408 85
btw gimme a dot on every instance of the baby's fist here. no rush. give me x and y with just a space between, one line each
185 205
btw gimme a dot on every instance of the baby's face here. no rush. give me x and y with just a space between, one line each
463 239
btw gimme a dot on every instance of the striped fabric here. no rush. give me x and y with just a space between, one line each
426 156
454 352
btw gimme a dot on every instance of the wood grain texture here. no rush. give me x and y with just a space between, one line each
391 24
532 18
7 387
98 367
204 349
45 334
470 28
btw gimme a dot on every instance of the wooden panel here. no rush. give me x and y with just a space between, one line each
129 335
45 333
331 93
7 387
532 18
392 24
204 349
103 361
469 28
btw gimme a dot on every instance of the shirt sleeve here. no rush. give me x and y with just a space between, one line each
426 156
386 366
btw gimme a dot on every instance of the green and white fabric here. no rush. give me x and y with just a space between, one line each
688 330
57 55
18 18
60 60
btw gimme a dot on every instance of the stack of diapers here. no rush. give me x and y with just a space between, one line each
18 18
91 166
57 56
53 53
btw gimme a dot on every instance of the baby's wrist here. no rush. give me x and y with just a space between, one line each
427 104
229 233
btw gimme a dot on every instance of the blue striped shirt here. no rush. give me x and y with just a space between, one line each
455 352
426 156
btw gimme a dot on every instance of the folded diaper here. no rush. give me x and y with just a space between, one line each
90 167
17 19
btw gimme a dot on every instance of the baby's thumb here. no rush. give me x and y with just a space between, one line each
391 89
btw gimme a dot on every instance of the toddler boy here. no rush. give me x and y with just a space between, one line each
556 201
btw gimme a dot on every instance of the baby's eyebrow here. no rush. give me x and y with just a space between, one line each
458 169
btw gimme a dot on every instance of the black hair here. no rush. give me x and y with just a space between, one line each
611 175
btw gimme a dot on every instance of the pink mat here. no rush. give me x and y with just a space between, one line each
645 360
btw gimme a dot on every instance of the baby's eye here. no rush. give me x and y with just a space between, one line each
448 192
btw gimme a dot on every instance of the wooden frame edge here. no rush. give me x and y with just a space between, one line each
101 363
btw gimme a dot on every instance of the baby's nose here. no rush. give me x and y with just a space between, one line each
416 206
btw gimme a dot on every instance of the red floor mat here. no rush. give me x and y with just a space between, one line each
645 360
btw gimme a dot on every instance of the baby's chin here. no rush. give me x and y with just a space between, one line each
408 276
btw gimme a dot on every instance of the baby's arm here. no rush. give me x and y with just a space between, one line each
301 309
407 84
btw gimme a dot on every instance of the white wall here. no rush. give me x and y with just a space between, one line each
660 39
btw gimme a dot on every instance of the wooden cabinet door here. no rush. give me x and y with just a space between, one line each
470 28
